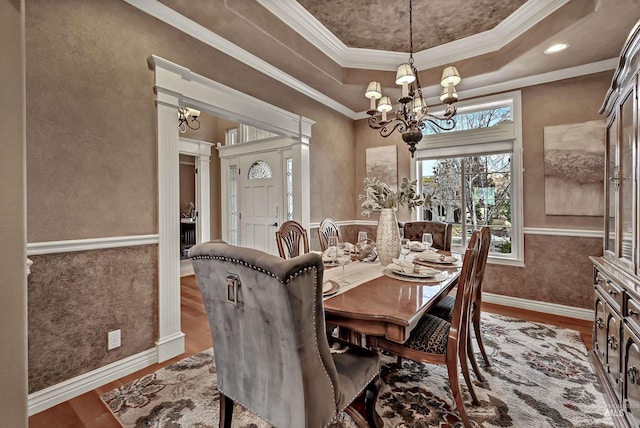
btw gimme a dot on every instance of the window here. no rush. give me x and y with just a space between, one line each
474 176
289 163
259 169
232 203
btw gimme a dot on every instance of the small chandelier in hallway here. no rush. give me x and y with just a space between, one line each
184 114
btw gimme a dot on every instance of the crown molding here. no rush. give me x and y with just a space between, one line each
305 24
171 17
197 31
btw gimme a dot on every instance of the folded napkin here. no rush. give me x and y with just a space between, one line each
409 267
417 246
399 264
430 256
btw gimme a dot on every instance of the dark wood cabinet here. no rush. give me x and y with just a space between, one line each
616 328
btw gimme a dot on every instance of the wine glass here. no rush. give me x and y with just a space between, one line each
405 247
427 240
362 236
344 257
332 242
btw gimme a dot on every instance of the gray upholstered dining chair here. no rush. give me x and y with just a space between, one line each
441 232
328 227
290 237
271 351
444 308
437 341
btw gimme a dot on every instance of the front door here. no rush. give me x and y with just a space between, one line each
261 200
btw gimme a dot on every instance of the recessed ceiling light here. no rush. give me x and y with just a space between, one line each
559 47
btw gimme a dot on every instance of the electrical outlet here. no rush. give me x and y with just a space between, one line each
113 339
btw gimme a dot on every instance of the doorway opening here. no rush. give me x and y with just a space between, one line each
175 87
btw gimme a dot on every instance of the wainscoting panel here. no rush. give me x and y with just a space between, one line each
76 298
557 270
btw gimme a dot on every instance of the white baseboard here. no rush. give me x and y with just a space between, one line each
170 346
544 307
63 391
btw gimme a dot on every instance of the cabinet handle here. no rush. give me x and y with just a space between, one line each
613 342
599 323
632 375
612 292
632 312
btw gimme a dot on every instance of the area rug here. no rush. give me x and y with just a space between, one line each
540 377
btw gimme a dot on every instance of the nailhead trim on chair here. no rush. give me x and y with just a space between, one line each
315 336
259 269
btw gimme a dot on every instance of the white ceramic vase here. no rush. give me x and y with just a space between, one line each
388 237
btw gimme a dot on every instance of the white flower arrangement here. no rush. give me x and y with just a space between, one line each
378 195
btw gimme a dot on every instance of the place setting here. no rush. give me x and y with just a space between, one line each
407 271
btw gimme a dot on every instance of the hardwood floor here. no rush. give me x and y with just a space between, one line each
88 410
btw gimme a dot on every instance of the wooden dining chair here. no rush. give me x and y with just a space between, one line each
289 237
328 227
441 232
444 308
437 341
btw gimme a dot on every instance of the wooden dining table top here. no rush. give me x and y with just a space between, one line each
382 305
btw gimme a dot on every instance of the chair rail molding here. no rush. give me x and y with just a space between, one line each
66 246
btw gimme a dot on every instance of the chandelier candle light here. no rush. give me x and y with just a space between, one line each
412 115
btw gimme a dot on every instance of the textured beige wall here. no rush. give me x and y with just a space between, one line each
95 291
13 305
568 101
95 175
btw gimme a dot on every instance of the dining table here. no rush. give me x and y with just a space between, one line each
377 301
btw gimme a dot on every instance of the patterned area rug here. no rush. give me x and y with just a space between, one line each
540 377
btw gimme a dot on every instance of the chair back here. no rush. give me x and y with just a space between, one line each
268 331
328 227
483 255
290 237
441 232
461 309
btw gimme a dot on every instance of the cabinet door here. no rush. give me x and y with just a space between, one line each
611 187
599 331
631 372
626 174
613 349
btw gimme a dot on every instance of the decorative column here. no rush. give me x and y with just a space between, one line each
170 338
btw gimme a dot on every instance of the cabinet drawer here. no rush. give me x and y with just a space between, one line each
633 314
609 289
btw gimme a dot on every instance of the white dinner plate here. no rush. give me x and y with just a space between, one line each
413 274
330 287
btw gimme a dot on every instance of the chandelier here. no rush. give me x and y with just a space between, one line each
184 113
412 116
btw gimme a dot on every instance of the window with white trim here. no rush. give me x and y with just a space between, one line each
474 175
